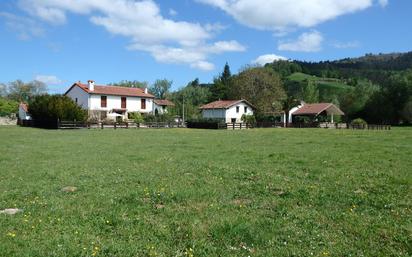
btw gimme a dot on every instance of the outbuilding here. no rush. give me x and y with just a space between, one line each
229 111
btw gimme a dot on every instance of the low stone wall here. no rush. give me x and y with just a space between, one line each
7 121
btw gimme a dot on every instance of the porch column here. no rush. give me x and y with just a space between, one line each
332 117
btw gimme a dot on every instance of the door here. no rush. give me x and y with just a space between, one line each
143 104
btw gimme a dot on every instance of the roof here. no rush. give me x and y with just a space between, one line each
163 102
112 90
223 104
316 109
24 106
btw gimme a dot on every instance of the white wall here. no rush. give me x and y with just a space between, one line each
82 97
228 114
133 104
231 112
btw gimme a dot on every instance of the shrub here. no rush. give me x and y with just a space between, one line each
249 119
359 122
46 110
8 107
136 117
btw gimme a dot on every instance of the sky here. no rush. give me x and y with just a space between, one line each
61 42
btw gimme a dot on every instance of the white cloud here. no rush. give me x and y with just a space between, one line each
202 65
267 58
25 28
307 42
48 79
142 22
195 56
279 15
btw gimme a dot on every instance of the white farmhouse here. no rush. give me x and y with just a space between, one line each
230 111
110 101
161 106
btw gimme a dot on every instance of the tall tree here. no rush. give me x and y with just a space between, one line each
221 85
260 86
161 88
310 92
3 90
20 91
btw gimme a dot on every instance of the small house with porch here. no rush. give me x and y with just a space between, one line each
229 111
316 112
110 101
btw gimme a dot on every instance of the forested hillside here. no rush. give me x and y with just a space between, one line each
377 88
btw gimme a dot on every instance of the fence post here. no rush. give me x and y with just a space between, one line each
102 125
115 125
58 123
127 125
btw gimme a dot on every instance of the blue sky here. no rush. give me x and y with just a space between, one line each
63 41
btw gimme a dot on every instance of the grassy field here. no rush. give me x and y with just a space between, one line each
324 84
261 192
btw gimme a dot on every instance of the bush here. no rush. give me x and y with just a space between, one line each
46 110
8 107
249 119
136 117
358 122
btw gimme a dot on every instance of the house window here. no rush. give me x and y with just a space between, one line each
103 101
237 109
143 104
123 103
245 109
76 100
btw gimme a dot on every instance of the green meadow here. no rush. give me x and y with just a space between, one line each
181 192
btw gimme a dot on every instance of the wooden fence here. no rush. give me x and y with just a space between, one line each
116 125
234 126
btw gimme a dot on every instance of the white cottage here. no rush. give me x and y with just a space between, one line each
161 106
228 110
110 101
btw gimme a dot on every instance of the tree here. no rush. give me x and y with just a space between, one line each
3 90
192 97
49 108
131 83
221 85
310 92
260 86
8 107
161 88
22 92
287 104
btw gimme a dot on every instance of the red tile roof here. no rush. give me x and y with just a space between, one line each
24 106
112 90
316 109
223 104
163 102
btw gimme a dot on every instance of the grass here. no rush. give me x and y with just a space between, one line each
325 84
261 192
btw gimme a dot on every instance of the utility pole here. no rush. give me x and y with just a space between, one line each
183 115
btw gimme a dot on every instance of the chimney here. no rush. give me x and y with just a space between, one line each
91 85
145 90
